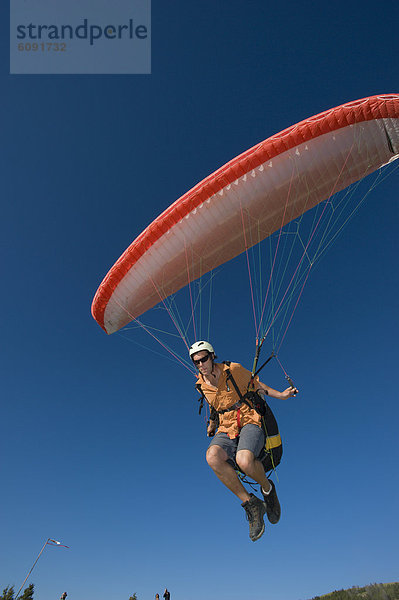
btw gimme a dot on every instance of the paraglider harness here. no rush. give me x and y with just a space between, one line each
271 454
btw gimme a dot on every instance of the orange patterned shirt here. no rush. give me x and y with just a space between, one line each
224 395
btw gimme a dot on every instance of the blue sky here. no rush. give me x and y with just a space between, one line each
102 447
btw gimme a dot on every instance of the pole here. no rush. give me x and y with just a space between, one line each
33 566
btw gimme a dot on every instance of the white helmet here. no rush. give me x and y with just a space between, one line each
199 346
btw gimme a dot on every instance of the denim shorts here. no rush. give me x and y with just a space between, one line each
251 438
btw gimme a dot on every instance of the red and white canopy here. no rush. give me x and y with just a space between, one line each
246 200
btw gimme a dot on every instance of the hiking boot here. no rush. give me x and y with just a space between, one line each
255 510
273 508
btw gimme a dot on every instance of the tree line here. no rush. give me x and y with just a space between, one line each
9 594
374 591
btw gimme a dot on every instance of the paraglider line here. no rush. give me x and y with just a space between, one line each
155 338
307 246
191 297
296 304
249 268
170 314
275 253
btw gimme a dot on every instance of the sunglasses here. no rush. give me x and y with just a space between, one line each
200 361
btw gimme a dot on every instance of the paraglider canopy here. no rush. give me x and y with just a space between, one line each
246 200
